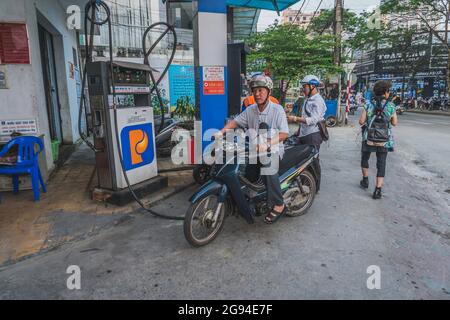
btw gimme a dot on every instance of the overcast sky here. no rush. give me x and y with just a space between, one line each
268 17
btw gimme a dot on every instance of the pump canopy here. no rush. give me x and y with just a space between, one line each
276 5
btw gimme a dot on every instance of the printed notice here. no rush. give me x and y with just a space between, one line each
7 127
213 80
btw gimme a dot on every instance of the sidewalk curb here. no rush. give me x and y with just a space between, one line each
446 114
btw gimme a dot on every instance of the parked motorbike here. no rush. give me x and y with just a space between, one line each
237 189
422 103
163 139
435 104
353 108
400 109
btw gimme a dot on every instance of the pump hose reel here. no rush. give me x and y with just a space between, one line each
93 7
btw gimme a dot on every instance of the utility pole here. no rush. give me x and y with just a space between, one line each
338 32
338 47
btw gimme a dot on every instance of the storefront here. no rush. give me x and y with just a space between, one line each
419 70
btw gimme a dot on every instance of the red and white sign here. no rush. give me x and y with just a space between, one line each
14 48
213 80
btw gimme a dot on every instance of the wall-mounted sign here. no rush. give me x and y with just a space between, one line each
131 90
213 80
7 127
181 83
14 47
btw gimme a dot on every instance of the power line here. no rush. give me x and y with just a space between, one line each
314 15
300 10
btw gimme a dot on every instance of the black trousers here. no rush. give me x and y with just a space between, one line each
274 193
313 139
272 183
381 162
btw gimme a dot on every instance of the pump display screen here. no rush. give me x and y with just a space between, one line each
129 76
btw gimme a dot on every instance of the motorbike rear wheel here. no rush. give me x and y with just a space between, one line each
331 121
299 201
199 226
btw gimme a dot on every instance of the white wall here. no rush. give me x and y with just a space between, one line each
25 97
64 41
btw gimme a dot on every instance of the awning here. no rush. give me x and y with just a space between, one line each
276 5
244 22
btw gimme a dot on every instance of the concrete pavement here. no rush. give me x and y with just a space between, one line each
67 212
324 254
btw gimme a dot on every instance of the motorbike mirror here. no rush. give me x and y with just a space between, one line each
263 126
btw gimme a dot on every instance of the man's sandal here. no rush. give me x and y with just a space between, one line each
273 216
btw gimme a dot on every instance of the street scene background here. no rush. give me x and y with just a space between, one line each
322 255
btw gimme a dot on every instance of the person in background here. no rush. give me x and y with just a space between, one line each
298 105
380 103
250 100
313 112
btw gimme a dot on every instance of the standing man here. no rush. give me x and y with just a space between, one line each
313 112
265 111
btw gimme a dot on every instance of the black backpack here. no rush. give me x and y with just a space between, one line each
378 128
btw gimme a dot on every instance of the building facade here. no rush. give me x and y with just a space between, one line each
303 20
43 89
40 92
416 64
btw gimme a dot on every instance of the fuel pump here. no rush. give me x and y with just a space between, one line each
135 124
123 123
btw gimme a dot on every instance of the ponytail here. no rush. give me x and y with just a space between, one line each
378 101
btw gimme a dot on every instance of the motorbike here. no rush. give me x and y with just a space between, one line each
435 104
423 103
163 139
408 104
353 108
236 188
400 109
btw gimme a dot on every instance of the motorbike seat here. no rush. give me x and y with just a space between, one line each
294 155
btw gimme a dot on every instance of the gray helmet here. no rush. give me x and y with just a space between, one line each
261 81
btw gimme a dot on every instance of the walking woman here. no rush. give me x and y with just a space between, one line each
376 120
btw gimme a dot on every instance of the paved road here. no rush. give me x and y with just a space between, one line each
324 254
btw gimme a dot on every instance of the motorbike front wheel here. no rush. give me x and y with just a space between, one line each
204 220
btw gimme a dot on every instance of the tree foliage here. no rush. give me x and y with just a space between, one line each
289 53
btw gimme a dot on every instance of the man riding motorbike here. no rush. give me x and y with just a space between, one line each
265 111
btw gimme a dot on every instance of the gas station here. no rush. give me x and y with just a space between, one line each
129 166
119 95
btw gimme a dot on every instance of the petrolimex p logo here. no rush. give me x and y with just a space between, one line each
137 146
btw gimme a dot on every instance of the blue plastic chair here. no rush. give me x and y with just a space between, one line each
27 163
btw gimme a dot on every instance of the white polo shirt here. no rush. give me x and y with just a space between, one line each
274 115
